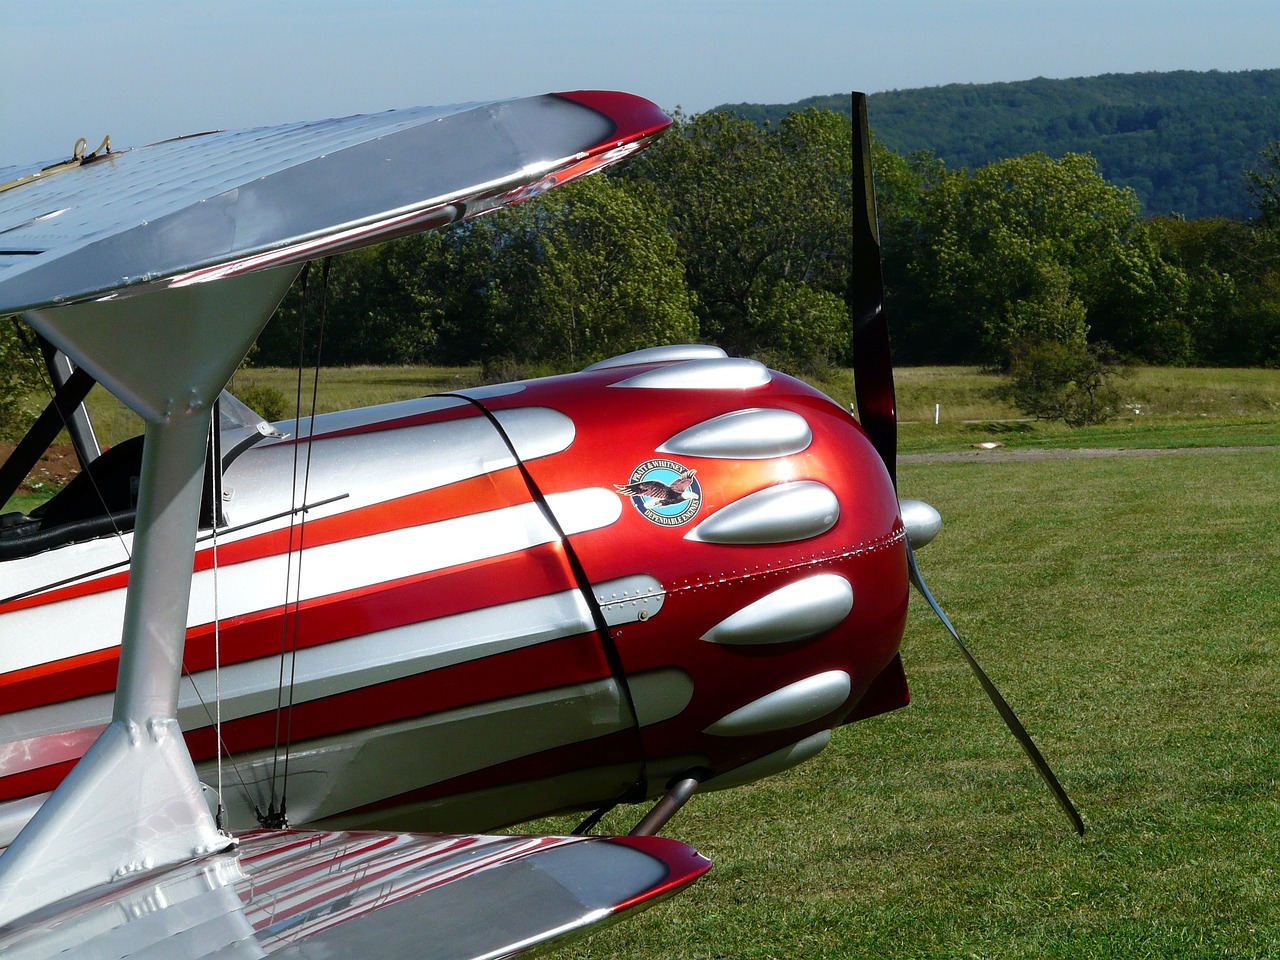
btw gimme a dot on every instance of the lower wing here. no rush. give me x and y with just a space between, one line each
377 896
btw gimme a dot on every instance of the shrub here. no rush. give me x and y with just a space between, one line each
1071 381
268 402
19 376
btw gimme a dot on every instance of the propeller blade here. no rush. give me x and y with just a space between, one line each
1002 706
877 405
872 363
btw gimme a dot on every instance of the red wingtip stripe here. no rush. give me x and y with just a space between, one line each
635 117
684 865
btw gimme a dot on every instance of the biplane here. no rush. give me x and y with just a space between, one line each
264 685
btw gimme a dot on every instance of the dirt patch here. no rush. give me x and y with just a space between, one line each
55 468
1075 453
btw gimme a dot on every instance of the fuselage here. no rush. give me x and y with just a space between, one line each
469 610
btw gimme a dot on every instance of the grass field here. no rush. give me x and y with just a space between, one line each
340 388
1130 611
1166 406
1129 608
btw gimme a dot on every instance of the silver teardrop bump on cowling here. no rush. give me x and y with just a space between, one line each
758 433
784 513
797 703
667 354
798 611
717 373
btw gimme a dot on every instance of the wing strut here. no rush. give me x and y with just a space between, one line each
79 427
134 802
677 796
43 432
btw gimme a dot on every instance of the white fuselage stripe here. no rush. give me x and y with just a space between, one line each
346 665
39 634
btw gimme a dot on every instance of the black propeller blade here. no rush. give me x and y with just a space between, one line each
1002 706
872 363
874 393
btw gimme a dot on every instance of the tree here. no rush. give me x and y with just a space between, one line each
799 329
1263 185
379 308
1027 248
19 376
584 272
607 279
1142 303
1233 298
1069 381
753 207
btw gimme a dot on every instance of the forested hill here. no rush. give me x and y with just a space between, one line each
1179 139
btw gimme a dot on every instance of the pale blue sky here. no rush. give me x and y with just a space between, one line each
143 70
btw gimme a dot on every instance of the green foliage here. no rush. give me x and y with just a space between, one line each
1263 183
584 272
1232 279
607 279
798 329
268 402
1029 247
380 306
1069 381
19 376
754 209
1143 304
1178 139
739 234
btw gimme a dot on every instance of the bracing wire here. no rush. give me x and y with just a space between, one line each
293 577
302 525
271 817
216 466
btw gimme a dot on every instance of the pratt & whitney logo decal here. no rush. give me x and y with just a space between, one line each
664 492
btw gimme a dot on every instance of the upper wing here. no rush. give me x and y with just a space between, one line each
211 205
311 894
123 250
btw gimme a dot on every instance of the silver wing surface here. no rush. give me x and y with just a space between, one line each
248 199
180 214
307 894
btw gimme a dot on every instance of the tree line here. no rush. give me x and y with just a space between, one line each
1180 139
735 233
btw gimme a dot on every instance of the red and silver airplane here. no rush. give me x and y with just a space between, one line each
674 570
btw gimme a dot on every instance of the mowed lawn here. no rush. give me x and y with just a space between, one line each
1129 608
1164 406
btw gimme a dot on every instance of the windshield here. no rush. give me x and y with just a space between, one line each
234 414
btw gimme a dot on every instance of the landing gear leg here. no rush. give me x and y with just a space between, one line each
676 796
